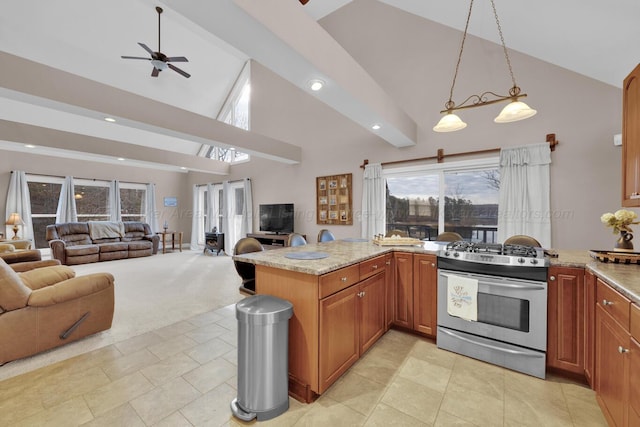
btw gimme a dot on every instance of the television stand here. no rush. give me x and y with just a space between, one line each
272 240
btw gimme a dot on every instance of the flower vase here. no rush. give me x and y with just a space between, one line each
623 244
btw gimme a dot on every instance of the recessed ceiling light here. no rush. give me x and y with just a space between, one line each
121 159
183 168
109 119
29 146
316 84
376 127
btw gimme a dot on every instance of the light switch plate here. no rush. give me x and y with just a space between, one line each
617 139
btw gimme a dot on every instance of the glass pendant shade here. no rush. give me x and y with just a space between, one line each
449 123
514 111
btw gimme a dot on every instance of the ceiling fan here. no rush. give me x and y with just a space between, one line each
159 60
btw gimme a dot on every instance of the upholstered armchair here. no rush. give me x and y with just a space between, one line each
43 308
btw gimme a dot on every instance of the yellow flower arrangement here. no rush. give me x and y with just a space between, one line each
620 220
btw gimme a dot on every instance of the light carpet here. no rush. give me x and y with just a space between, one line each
150 292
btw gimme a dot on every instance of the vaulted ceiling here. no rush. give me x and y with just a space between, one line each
62 72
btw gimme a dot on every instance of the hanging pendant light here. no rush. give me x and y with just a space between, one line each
514 111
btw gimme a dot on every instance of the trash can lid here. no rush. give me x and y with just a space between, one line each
263 309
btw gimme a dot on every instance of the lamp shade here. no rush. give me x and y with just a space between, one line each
514 111
449 123
14 219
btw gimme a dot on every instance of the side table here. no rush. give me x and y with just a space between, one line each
173 235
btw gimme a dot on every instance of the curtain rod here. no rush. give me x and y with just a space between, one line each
87 179
218 183
551 139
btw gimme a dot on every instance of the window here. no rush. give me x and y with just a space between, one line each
92 200
44 192
132 201
469 191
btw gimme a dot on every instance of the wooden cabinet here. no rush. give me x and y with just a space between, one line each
425 294
566 319
403 289
612 354
634 368
389 288
589 326
631 139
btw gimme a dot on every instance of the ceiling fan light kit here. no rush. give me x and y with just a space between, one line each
159 60
514 111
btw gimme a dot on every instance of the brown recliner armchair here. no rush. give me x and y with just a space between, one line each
44 308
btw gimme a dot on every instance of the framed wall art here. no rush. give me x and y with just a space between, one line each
333 199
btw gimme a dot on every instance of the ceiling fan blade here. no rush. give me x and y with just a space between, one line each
145 47
304 2
155 72
135 57
177 59
178 70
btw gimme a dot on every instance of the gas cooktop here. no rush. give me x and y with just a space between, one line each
496 254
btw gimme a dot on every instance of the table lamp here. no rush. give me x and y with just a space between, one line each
15 220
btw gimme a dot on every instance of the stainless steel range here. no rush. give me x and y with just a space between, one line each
492 304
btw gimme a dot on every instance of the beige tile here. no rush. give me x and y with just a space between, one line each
429 352
447 420
357 392
19 406
376 368
117 393
212 407
583 406
230 337
209 350
175 329
174 420
327 412
161 402
386 416
478 376
169 368
231 356
59 389
139 342
533 410
425 373
129 363
211 375
172 346
474 406
72 412
206 333
413 399
205 318
229 323
123 415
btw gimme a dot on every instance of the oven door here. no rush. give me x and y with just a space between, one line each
509 310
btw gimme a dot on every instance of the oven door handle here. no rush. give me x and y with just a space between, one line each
489 346
516 286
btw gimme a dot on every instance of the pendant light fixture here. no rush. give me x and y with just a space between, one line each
514 111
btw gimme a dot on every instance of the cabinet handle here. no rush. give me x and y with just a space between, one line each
344 279
374 266
552 278
361 294
622 350
606 303
433 264
388 262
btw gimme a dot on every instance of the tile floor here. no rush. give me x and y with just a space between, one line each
185 375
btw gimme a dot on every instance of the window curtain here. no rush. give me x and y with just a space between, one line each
211 214
150 212
247 213
524 202
66 211
227 218
19 201
373 201
115 206
197 226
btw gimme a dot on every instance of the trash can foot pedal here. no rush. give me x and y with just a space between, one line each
241 413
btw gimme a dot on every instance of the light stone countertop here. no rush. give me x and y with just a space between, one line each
623 278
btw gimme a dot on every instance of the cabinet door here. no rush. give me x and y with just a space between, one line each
589 326
339 339
634 383
566 318
425 294
612 367
389 287
631 139
403 290
371 293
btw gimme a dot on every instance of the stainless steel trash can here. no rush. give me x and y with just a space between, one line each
263 357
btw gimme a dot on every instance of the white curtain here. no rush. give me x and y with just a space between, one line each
19 201
524 204
115 206
212 217
66 211
197 227
247 213
150 212
228 223
373 201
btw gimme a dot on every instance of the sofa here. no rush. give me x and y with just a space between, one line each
18 251
43 308
84 242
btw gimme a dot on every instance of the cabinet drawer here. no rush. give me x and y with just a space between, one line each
635 322
613 303
372 266
335 281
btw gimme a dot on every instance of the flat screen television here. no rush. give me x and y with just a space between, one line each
276 218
